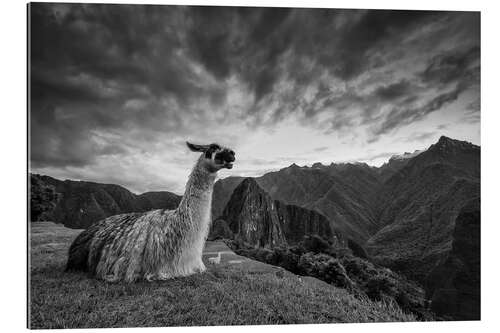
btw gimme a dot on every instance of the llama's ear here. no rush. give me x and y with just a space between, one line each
198 148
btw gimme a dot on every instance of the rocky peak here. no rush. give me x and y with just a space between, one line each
250 184
406 155
448 145
255 218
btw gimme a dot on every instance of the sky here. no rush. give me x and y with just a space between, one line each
116 90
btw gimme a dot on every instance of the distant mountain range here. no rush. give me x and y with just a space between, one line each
78 204
403 212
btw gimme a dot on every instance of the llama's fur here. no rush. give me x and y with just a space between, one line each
154 245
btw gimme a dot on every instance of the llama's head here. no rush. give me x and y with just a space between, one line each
215 157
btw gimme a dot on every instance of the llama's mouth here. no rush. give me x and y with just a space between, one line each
225 159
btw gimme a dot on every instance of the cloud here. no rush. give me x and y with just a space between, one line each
372 157
374 29
117 82
458 70
422 136
403 116
452 67
474 106
394 91
320 149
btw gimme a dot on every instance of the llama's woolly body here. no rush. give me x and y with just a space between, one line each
155 245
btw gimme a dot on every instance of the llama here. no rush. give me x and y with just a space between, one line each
215 260
159 244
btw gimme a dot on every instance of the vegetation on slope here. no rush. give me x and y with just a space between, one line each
337 266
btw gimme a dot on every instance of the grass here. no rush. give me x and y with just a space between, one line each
241 294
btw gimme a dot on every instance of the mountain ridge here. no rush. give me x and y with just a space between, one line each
78 204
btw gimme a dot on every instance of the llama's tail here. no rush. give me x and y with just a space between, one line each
79 251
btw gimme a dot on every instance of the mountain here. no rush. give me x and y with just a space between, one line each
78 204
342 193
256 219
364 179
395 163
418 206
406 155
223 189
454 286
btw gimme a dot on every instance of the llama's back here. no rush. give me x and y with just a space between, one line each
96 236
127 247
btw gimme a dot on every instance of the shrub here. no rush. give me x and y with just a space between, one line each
287 259
43 199
357 249
379 286
326 268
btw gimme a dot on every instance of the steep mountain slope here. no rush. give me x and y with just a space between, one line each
454 286
255 218
336 192
79 204
395 163
419 205
328 194
223 189
364 179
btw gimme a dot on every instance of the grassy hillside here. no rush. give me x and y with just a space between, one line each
236 292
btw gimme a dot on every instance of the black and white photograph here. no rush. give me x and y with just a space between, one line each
215 166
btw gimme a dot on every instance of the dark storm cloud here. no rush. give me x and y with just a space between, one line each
109 79
394 91
452 66
374 29
403 116
458 70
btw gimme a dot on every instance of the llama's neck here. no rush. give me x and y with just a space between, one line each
197 200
